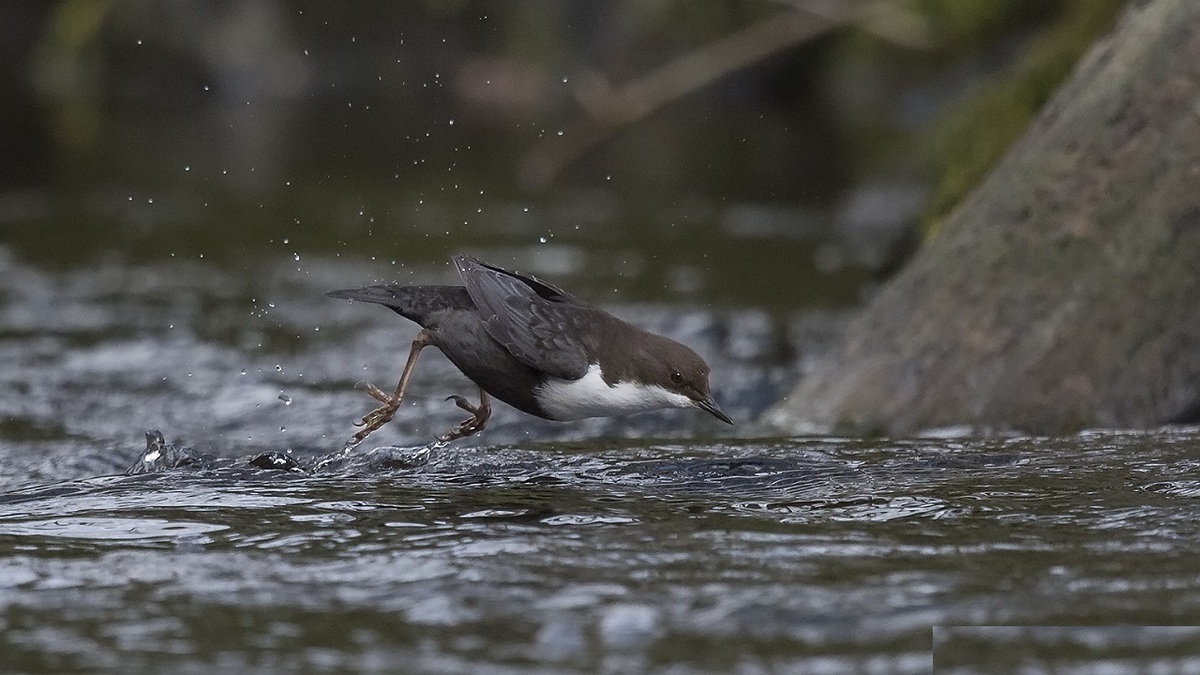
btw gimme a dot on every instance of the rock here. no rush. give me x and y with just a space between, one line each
1064 292
160 455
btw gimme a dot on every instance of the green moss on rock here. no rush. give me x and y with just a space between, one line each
975 133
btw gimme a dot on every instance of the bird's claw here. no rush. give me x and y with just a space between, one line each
391 403
375 392
463 403
379 416
470 426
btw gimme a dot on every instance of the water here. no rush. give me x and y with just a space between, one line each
664 542
785 555
166 232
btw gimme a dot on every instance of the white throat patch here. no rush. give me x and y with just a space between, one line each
591 396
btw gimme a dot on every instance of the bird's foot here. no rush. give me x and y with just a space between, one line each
379 416
473 424
376 393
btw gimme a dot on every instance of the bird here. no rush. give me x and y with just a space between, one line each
537 348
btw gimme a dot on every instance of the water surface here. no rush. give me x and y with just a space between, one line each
664 541
796 555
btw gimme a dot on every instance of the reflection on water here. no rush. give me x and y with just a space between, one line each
799 555
1110 649
107 529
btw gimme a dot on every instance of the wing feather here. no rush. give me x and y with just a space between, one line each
527 316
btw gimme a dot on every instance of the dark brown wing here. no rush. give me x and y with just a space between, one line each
528 316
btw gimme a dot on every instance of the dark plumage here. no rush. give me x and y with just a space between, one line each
537 348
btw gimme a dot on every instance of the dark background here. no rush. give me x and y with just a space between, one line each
403 132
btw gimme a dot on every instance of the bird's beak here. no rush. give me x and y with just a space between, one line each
709 406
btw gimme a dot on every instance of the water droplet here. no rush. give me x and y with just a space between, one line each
243 372
287 400
296 256
278 368
542 239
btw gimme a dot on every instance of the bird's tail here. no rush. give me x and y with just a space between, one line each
415 303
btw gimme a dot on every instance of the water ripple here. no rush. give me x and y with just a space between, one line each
108 529
555 553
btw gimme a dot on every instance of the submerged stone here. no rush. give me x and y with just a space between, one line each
160 456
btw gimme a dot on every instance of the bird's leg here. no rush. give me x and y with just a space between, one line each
383 414
473 424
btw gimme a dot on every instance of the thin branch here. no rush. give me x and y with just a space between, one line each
608 109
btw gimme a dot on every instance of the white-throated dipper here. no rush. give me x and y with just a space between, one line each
537 348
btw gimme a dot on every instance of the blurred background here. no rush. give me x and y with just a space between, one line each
180 181
768 153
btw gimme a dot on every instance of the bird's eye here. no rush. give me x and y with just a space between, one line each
676 377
